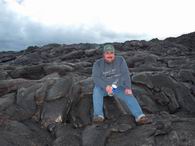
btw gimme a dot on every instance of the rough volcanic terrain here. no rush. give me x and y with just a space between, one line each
46 95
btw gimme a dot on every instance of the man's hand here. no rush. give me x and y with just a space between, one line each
109 89
128 91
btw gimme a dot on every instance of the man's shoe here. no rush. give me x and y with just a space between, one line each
98 119
144 120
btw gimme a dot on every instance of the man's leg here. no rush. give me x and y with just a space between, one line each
98 98
132 104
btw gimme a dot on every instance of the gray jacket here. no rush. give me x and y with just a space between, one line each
117 72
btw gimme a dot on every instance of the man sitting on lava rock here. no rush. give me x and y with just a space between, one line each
111 77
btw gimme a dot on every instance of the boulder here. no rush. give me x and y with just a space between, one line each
142 78
59 88
55 111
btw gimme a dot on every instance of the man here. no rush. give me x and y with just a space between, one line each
111 70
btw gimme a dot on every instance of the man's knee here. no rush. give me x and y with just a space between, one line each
98 90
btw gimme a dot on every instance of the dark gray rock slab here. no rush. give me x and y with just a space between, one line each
81 112
142 78
55 111
187 76
62 69
95 135
7 100
26 98
58 88
11 85
3 74
32 72
17 133
66 135
68 140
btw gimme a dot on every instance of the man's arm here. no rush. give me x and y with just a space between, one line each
125 74
96 76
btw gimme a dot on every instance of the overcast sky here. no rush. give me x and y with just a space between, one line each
38 22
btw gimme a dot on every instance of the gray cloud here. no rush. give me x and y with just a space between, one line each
18 32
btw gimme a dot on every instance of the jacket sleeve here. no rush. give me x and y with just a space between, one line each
96 76
125 74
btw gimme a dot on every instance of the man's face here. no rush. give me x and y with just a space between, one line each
109 56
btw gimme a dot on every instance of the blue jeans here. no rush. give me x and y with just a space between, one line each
130 100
